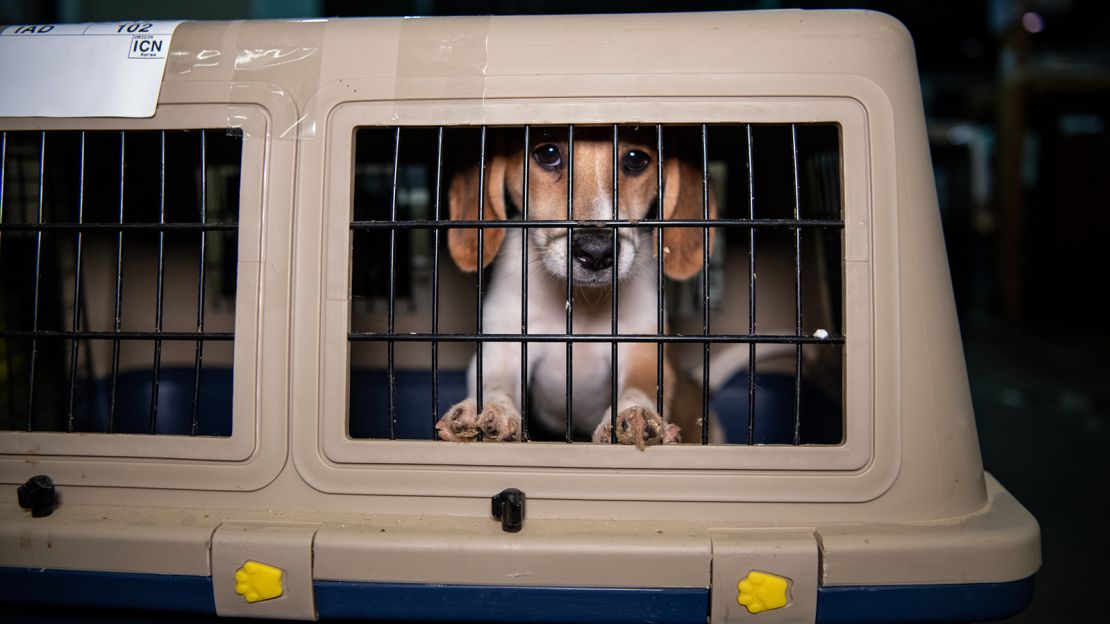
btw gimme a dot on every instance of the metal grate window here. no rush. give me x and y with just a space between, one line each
121 316
754 333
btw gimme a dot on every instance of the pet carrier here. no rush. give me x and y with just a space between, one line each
289 308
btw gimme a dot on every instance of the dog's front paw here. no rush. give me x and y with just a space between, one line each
639 426
460 423
499 423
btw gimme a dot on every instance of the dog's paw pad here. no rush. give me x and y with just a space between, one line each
460 423
499 423
672 434
603 433
639 426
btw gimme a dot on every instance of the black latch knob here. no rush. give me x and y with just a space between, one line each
508 507
38 495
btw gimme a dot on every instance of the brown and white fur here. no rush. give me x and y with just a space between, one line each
637 421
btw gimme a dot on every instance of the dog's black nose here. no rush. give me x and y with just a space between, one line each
593 249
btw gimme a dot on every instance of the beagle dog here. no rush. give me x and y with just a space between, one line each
593 259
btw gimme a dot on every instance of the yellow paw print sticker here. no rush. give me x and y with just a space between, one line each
760 591
257 581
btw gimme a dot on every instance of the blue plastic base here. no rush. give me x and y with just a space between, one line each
175 402
476 603
976 602
485 603
81 588
820 418
412 401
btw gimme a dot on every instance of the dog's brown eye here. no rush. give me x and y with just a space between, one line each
635 161
548 156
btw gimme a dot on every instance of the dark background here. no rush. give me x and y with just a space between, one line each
1017 95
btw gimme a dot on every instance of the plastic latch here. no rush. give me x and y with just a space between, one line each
38 495
508 507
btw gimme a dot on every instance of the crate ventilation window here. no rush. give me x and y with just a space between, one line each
417 321
118 292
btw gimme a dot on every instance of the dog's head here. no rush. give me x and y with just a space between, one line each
592 250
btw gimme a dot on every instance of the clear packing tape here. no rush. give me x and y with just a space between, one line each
430 58
437 56
276 64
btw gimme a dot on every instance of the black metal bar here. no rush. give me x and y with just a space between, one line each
567 223
797 290
751 292
76 344
524 268
116 227
481 262
392 309
198 357
660 322
3 172
583 338
569 433
435 280
614 301
24 334
705 283
113 395
159 285
37 281
125 335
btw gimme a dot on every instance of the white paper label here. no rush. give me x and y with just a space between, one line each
83 70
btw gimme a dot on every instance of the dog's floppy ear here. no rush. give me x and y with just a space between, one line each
683 199
463 202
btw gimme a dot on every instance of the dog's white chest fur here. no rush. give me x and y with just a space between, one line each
547 314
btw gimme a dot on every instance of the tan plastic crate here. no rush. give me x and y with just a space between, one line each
891 519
